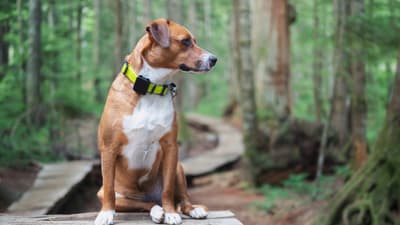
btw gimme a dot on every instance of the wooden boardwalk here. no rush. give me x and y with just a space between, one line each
55 181
52 184
214 218
229 148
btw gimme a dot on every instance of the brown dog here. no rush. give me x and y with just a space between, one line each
137 134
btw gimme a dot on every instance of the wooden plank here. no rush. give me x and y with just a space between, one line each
229 149
53 182
214 218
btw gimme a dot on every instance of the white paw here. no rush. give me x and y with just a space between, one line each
157 214
198 213
172 218
105 217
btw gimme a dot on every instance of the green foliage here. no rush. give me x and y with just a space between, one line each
298 187
272 195
343 171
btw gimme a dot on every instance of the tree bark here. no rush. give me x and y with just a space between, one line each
394 99
34 59
54 53
118 57
191 88
317 64
96 50
270 38
207 22
174 12
22 64
372 195
4 45
132 25
340 99
147 11
79 41
244 65
358 101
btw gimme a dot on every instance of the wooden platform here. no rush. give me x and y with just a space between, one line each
52 184
229 148
55 181
214 218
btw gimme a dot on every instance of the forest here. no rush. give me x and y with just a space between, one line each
313 86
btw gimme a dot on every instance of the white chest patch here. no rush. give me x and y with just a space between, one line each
151 119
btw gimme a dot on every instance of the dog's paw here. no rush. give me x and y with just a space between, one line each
105 217
172 218
198 213
157 214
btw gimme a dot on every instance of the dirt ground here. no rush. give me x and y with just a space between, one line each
223 192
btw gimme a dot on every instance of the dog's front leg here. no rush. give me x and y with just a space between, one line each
169 164
106 215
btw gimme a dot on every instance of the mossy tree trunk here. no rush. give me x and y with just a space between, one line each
372 195
34 60
340 97
317 63
245 77
358 84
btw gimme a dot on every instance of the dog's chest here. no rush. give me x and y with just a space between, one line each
151 119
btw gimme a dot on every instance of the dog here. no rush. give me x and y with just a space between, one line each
137 133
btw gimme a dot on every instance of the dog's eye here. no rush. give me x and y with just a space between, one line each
186 42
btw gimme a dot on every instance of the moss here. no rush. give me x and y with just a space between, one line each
368 197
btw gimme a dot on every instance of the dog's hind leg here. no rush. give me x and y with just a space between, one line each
181 195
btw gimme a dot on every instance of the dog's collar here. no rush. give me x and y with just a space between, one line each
143 85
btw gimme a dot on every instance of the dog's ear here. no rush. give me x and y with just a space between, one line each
159 31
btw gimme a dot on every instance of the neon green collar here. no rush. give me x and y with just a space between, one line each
142 85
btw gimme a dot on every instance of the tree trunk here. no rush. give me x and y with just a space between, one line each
174 12
372 195
147 12
4 45
132 24
118 57
79 42
340 99
34 59
317 64
270 38
244 64
358 101
21 52
207 22
191 88
96 51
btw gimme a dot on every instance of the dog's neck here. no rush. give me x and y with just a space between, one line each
156 75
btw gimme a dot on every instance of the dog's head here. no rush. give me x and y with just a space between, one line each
170 45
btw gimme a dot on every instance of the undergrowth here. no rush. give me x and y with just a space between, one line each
298 187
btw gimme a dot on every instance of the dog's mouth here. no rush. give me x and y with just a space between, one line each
205 64
187 68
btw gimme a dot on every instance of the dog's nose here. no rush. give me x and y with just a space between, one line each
213 60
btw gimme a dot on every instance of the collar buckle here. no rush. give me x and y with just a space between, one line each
172 89
141 85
